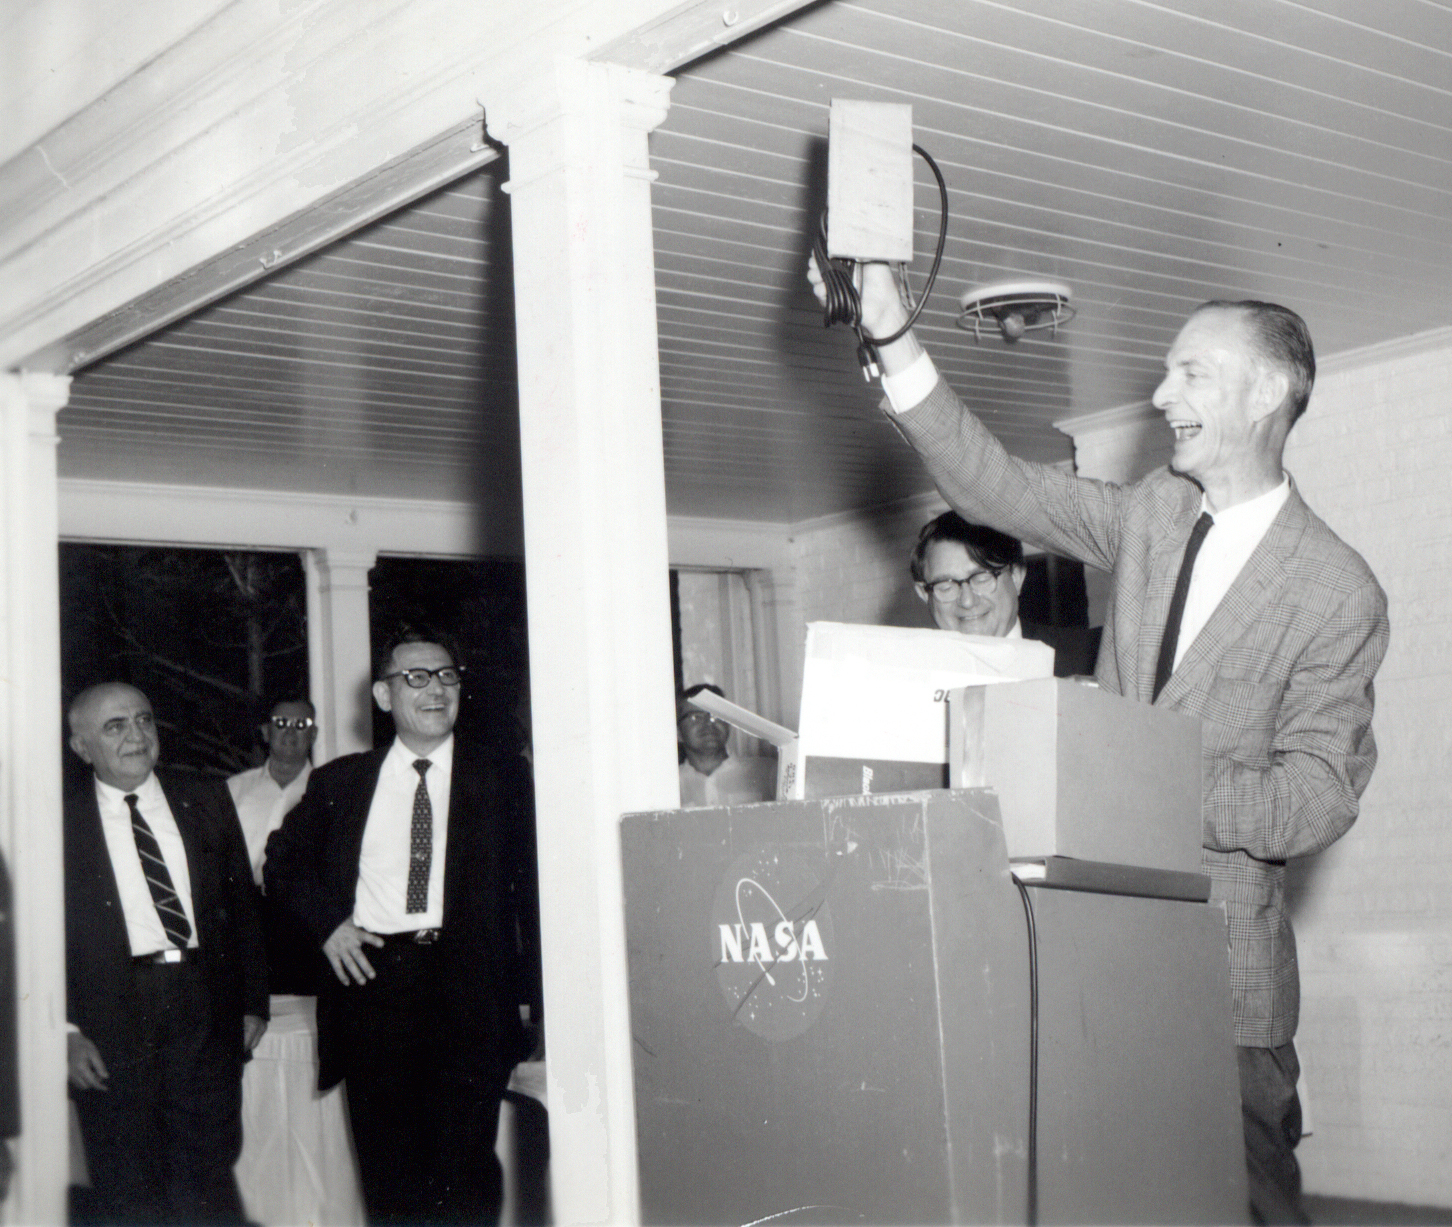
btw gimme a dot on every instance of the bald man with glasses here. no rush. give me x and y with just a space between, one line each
397 863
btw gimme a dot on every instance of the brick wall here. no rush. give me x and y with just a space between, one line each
854 568
1374 913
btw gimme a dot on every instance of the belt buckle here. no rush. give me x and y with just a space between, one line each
425 937
171 955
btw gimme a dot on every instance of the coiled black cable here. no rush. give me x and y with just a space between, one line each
844 303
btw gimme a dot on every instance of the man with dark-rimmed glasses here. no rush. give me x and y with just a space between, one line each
971 575
396 862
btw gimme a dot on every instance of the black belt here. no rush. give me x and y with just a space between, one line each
413 937
171 955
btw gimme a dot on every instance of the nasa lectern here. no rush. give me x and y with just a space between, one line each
850 1010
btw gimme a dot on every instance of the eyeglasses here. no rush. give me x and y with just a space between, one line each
695 717
417 679
300 722
981 582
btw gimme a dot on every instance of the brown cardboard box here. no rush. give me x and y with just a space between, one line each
1081 772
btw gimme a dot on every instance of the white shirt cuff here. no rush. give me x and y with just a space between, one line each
910 386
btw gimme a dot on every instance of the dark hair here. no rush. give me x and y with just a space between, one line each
1280 338
686 695
264 708
989 548
383 660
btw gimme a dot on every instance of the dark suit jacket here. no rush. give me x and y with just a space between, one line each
312 870
229 935
1076 648
1280 677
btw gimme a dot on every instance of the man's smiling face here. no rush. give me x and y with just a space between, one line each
1206 395
113 729
994 612
426 716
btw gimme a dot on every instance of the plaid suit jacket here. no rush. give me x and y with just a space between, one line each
1280 677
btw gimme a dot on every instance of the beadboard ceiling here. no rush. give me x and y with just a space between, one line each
1150 155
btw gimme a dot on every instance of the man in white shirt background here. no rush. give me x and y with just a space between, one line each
710 775
264 794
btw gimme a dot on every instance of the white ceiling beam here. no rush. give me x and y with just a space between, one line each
689 31
263 133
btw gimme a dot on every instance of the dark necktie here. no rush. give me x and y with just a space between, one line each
1171 639
158 877
421 844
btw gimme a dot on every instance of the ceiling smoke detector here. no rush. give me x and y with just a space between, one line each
1014 308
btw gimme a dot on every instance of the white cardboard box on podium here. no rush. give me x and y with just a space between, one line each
874 702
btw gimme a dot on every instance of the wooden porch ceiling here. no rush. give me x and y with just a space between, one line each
1150 155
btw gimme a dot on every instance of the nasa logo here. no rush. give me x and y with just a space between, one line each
772 943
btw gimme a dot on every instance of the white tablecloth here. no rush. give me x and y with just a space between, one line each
297 1166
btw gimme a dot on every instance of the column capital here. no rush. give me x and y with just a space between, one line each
641 100
42 395
334 563
1119 444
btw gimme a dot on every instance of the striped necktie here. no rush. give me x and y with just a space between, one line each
158 877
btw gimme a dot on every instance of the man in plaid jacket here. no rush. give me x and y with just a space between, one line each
1281 634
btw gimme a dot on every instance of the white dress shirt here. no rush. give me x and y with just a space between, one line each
381 904
1226 549
737 781
262 803
911 385
143 925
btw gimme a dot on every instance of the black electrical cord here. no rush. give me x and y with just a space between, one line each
844 303
1032 1211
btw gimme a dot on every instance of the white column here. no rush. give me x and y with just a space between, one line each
598 579
340 656
30 782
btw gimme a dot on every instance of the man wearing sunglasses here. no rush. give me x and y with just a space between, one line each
264 794
396 861
970 577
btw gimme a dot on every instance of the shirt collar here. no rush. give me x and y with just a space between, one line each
148 790
1261 507
442 755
